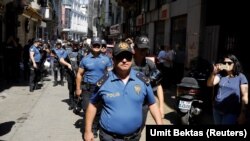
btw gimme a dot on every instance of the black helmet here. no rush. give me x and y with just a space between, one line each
142 41
75 42
59 42
103 42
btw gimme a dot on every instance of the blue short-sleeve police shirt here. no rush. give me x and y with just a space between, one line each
94 67
37 54
122 103
59 52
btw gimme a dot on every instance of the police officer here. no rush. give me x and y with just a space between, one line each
104 47
121 91
35 60
71 59
148 68
58 51
93 66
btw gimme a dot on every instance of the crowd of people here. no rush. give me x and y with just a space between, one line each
106 86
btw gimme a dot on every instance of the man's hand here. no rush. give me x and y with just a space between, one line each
78 92
69 66
34 65
88 136
162 112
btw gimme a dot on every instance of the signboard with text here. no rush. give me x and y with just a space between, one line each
115 29
164 12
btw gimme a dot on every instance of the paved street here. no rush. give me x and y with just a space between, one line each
42 115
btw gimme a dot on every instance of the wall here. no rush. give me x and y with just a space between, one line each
21 34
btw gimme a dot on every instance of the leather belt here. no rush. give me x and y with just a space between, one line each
88 86
124 137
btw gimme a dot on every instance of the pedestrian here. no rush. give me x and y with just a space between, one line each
147 67
168 65
92 66
161 61
231 99
122 93
35 60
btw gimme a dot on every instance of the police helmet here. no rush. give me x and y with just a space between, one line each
103 42
142 42
58 42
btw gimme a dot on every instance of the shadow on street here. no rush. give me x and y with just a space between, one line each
6 127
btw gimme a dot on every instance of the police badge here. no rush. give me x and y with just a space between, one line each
137 89
123 46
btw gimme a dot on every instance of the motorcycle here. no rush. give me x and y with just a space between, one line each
193 96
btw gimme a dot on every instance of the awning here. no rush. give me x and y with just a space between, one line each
31 13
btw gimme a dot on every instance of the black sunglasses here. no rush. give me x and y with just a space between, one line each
103 46
229 63
121 56
96 46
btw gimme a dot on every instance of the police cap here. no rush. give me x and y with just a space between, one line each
96 40
122 47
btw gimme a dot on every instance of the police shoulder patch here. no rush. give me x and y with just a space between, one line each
102 80
143 78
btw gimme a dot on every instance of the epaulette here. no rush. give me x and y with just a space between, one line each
103 79
143 78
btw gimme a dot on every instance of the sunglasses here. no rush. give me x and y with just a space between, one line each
96 46
127 56
229 63
104 46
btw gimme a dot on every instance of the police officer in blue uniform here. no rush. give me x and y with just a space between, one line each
71 59
149 69
122 93
57 67
35 60
92 66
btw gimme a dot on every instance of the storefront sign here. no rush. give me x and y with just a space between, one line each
164 12
115 29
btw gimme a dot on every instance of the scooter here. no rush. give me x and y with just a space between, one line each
193 96
188 102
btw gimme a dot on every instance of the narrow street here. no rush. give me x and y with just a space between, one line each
44 116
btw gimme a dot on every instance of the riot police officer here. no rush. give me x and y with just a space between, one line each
57 67
148 68
71 58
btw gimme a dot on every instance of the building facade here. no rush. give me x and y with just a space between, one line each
74 19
